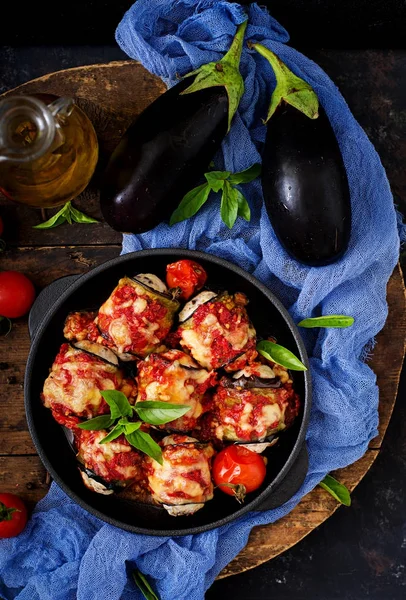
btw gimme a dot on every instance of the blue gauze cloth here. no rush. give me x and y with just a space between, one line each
65 553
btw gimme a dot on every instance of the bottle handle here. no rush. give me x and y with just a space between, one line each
62 107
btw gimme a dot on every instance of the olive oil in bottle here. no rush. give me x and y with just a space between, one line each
48 150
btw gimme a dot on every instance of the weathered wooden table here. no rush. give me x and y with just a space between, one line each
111 95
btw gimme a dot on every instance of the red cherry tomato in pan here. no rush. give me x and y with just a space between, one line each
238 466
16 294
188 275
13 515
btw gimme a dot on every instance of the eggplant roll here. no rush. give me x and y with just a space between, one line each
80 325
72 389
174 377
107 466
182 484
251 407
135 318
219 332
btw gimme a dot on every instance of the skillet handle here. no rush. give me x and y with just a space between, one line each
290 484
45 301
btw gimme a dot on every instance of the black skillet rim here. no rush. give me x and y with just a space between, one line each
195 255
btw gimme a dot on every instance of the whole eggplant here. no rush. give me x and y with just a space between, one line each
162 155
305 186
170 145
304 181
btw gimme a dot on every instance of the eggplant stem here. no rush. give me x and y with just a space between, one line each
223 73
289 87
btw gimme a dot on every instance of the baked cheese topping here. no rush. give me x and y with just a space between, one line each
218 332
113 461
75 381
174 377
134 319
184 477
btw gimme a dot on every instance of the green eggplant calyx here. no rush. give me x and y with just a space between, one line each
224 72
289 88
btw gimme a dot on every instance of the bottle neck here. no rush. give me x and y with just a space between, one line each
28 126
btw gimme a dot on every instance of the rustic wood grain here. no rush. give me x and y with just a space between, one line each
112 95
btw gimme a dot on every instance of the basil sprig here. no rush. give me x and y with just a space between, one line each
67 214
336 489
151 411
233 202
280 355
334 321
143 585
159 413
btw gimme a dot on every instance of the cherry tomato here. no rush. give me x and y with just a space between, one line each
16 294
13 515
188 275
237 465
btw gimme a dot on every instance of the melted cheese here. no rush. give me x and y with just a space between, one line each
96 456
200 340
81 394
168 478
172 387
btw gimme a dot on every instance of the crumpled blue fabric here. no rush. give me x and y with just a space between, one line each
65 553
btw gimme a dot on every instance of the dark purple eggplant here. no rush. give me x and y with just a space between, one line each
304 181
170 145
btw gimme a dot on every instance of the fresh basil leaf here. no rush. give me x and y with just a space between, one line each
57 219
246 176
280 355
216 179
244 210
229 205
131 427
98 423
336 321
143 585
114 433
80 217
336 489
144 442
191 203
158 413
118 402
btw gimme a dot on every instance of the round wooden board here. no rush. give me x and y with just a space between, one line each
112 95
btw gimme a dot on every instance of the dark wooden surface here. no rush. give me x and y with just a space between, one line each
106 94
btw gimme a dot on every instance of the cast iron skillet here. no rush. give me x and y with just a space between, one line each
287 462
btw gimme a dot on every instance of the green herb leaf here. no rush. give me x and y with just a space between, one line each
144 442
244 210
336 489
334 321
57 219
246 176
98 423
118 402
191 203
67 213
80 217
114 433
280 355
143 585
158 413
229 205
216 179
131 427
